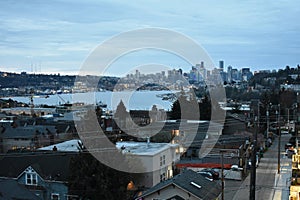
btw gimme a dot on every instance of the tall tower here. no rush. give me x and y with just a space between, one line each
202 64
221 65
229 73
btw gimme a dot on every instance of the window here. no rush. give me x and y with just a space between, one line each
31 179
30 176
163 177
54 196
162 160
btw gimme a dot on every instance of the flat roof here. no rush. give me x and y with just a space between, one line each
70 145
143 148
27 109
184 121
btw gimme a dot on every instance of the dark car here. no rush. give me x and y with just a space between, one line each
214 174
288 146
207 175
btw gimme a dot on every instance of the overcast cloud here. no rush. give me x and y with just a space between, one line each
56 36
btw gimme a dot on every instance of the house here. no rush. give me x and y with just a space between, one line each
19 191
28 111
187 185
158 160
198 137
45 174
15 137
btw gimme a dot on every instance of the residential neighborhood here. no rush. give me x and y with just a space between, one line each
43 148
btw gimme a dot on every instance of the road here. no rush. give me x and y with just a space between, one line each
269 184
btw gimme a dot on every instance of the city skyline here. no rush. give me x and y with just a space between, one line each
57 36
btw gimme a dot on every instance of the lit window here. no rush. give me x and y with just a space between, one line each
130 185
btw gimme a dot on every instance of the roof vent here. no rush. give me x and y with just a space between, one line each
196 185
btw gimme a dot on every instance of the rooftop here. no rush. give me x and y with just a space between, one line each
69 146
49 165
144 148
192 182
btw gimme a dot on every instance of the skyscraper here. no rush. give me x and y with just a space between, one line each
221 65
229 73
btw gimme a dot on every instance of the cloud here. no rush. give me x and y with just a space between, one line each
69 30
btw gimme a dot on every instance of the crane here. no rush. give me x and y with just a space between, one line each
31 102
31 96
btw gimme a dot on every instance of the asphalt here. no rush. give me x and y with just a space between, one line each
270 185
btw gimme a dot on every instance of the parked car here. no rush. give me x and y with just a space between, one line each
290 152
288 146
284 132
235 167
208 175
215 174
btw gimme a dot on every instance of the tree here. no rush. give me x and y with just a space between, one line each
175 110
287 98
121 115
183 108
205 108
90 179
121 111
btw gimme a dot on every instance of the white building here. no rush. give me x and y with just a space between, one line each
158 160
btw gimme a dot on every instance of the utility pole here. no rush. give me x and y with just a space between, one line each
222 173
279 139
288 116
268 123
253 158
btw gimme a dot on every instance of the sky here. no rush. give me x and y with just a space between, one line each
58 36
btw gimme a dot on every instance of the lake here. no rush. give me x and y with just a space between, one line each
133 100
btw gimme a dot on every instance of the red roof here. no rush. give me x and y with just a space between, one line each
203 165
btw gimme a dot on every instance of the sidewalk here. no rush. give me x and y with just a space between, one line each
283 180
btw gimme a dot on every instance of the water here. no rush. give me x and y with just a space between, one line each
133 100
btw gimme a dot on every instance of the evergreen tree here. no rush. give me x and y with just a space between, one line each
121 111
183 108
205 108
90 179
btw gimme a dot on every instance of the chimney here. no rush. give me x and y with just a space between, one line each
148 141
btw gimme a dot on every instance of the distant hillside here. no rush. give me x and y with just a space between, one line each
275 79
21 84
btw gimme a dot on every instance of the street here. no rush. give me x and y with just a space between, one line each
269 184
